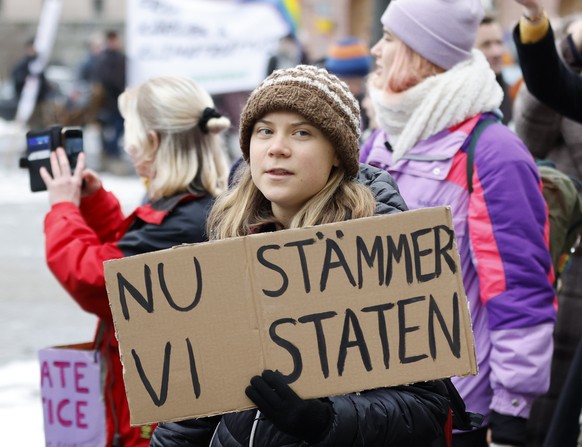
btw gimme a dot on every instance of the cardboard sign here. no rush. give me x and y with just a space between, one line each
72 400
337 308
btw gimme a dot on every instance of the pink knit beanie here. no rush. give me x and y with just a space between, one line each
442 31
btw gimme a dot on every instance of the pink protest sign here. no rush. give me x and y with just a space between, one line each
74 411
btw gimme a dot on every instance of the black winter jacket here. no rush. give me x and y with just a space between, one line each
384 188
408 416
547 77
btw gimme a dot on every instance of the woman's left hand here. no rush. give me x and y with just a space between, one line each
63 186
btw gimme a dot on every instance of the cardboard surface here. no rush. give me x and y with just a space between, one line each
338 308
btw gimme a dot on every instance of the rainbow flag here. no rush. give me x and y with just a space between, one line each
289 9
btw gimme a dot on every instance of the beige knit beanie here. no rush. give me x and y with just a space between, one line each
319 97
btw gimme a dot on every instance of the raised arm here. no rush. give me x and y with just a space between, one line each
547 77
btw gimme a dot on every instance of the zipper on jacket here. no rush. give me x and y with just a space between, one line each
254 429
214 434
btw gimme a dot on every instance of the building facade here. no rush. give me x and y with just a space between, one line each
321 22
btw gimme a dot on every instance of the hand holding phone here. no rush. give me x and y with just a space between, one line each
63 185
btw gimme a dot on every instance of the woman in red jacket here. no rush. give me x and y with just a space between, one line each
171 135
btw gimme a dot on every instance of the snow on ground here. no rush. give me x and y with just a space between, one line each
20 406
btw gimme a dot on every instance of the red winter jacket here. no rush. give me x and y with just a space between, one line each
79 240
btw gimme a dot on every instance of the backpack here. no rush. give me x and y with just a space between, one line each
562 195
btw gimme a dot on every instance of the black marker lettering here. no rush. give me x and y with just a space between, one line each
396 252
418 254
376 255
289 347
302 260
276 268
193 370
332 246
316 319
403 330
159 401
382 331
146 303
352 321
167 294
454 341
443 251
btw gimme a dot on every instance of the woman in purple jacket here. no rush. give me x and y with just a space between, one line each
430 90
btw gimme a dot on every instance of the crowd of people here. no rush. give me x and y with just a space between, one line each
98 81
418 120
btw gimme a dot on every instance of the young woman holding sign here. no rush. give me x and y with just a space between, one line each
299 137
171 136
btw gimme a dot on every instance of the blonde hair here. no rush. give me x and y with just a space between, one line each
187 158
409 68
243 209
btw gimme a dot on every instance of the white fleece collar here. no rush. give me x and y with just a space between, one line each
437 103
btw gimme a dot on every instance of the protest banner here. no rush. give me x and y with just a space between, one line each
224 46
337 308
72 398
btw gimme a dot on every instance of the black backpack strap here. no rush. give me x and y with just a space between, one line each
474 136
462 419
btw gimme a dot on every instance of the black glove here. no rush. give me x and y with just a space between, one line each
507 429
308 420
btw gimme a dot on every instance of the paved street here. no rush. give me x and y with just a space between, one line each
36 312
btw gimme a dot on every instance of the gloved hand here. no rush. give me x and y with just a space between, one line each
308 420
507 430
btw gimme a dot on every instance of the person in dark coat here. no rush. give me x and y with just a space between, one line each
172 138
564 428
549 120
109 75
299 139
547 77
20 72
289 53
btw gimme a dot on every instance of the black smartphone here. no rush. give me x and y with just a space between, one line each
39 144
72 142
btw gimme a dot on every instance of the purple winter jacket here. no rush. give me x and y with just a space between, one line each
502 231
